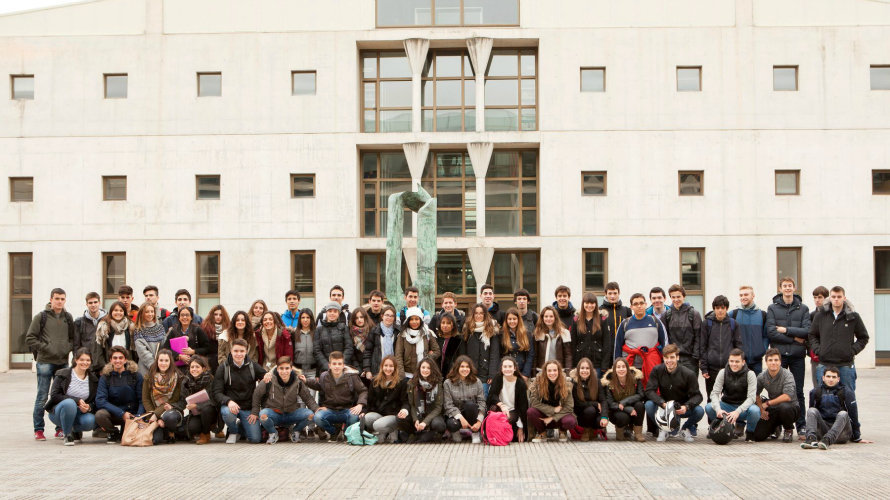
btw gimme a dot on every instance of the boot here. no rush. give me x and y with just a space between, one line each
619 434
203 439
638 434
586 435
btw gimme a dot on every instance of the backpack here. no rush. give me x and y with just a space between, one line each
666 317
496 429
66 317
356 434
731 323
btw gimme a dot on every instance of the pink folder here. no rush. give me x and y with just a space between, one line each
178 344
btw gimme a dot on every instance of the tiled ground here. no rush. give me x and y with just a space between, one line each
547 470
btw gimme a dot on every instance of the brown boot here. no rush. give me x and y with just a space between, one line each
585 435
203 439
220 435
638 434
619 434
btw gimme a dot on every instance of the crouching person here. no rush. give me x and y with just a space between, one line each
343 396
202 416
282 397
464 400
119 393
833 416
550 403
623 387
733 396
672 382
162 396
423 402
233 388
779 408
72 398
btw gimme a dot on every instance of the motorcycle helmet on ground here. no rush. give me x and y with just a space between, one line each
667 418
721 431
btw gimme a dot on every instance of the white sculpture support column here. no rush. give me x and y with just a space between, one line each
416 50
480 261
480 51
416 154
480 156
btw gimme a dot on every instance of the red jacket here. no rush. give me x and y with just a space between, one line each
283 345
651 359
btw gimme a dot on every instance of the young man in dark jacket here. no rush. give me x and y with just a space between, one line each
683 325
788 327
449 307
614 314
331 335
343 396
833 416
183 301
837 335
233 387
563 305
119 394
752 327
521 298
671 381
719 336
85 326
733 397
486 297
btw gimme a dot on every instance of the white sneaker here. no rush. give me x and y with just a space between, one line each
477 438
273 438
687 436
662 436
294 436
563 436
232 439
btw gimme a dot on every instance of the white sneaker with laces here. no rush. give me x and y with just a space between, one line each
273 438
232 439
687 436
662 436
294 436
477 438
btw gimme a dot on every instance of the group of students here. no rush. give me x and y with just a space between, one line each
409 375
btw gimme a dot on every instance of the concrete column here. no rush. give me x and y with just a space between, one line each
480 261
480 51
416 50
480 156
416 154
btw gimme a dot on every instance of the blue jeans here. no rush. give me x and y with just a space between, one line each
751 416
485 388
692 416
298 417
798 368
45 372
68 416
847 373
252 431
327 418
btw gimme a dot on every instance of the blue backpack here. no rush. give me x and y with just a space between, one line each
356 434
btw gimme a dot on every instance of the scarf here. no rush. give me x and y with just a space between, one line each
387 339
480 329
151 332
192 385
619 391
358 337
255 322
424 394
117 327
218 331
415 338
163 386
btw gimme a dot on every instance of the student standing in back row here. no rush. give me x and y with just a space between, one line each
788 327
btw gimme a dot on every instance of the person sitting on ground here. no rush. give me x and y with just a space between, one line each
343 396
119 393
239 328
780 407
733 396
672 382
423 401
273 341
202 416
280 402
72 397
508 394
161 395
415 342
233 386
551 403
623 386
464 401
386 398
590 407
833 415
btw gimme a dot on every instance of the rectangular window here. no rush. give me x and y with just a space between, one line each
691 183
302 82
788 264
692 276
396 13
372 270
449 92
787 182
511 93
20 304
512 270
209 84
114 274
207 266
880 182
21 189
302 185
882 269
207 187
303 276
449 177
596 269
511 194
593 183
386 91
593 79
22 86
115 85
383 174
880 77
882 305
688 78
785 78
114 188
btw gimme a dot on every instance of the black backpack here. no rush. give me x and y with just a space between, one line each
66 317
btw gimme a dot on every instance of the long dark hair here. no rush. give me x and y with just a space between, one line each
209 327
298 333
171 370
435 377
248 335
520 333
589 297
454 373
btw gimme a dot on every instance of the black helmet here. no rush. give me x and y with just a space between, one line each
721 431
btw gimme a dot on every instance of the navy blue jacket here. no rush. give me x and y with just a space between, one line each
120 392
832 400
752 326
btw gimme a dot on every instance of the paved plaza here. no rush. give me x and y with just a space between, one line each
547 470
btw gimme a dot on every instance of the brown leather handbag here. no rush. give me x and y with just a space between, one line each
138 431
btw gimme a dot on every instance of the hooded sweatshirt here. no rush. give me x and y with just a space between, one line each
85 329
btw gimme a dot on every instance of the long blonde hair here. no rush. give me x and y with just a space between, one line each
541 329
381 380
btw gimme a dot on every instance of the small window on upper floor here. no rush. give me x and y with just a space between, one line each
593 183
302 82
880 182
785 78
689 78
787 182
21 189
880 77
207 187
394 13
114 188
115 86
209 84
691 183
593 79
302 185
22 87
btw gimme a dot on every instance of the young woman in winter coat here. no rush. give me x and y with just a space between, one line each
625 398
161 395
360 325
518 342
381 342
215 325
450 340
238 329
197 342
280 399
423 402
590 407
148 336
589 340
481 344
386 400
113 330
464 400
273 341
202 417
552 340
509 394
302 335
551 403
72 397
415 342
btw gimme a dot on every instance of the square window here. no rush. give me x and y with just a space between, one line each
21 189
209 84
116 86
22 87
302 82
114 188
593 79
302 185
880 77
207 187
689 78
787 182
785 78
593 183
691 183
880 182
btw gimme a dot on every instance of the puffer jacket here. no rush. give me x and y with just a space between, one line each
837 341
330 337
614 315
281 396
717 339
59 390
628 397
120 392
752 327
795 317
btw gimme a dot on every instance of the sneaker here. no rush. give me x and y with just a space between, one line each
69 440
687 436
78 436
749 437
98 433
294 436
801 435
114 437
563 436
38 436
539 437
477 438
787 435
232 439
823 445
551 433
320 433
662 436
59 435
809 446
775 434
273 438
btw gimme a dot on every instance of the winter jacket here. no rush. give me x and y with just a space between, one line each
330 337
486 358
283 346
586 388
496 313
433 408
401 320
567 315
406 352
681 386
59 390
684 329
449 350
281 396
627 396
460 318
543 402
717 339
594 346
615 314
197 339
291 320
85 330
531 320
53 343
173 318
236 383
340 394
373 353
752 327
525 360
101 350
176 400
191 386
387 401
457 393
734 388
520 398
563 350
831 400
121 392
837 341
795 317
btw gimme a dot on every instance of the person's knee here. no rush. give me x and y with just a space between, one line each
87 422
437 425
